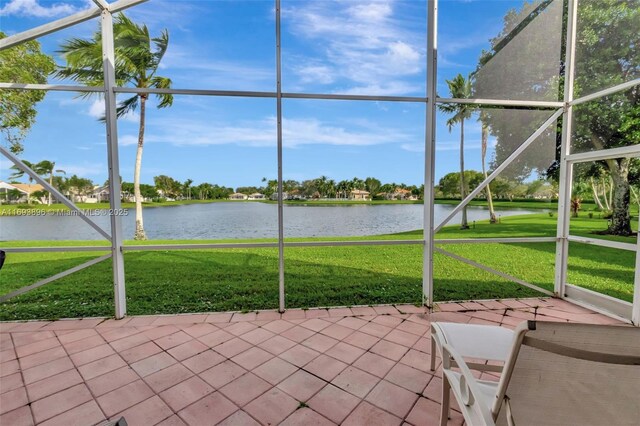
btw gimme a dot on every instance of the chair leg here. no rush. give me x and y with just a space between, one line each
446 395
433 353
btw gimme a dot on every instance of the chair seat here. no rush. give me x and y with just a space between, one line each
486 342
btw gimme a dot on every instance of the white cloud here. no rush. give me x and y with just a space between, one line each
96 110
33 8
364 44
85 169
262 133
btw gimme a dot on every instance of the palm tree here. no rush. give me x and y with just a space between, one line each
49 167
485 140
187 188
137 57
460 88
19 173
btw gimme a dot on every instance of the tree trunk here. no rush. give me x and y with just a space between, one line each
621 219
605 190
596 195
139 234
50 183
463 193
485 140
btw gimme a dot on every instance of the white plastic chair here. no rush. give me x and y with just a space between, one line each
555 374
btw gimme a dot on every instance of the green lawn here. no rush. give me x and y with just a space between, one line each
247 279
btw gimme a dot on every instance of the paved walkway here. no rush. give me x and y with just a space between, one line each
358 366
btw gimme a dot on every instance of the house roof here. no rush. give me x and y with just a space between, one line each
27 188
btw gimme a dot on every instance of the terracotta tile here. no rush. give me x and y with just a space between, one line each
28 326
10 367
258 335
434 390
66 338
7 355
389 350
92 354
269 315
245 388
374 364
53 384
337 331
402 338
239 418
512 321
84 344
392 398
363 310
252 358
186 393
385 310
489 316
173 340
333 403
512 303
140 352
41 357
345 352
215 338
201 329
297 334
320 342
449 307
203 361
148 412
272 407
219 317
48 369
187 350
239 316
450 317
152 364
32 348
374 329
129 342
113 334
306 417
361 340
355 381
114 323
278 326
13 399
101 366
124 397
277 344
179 319
315 324
11 382
340 312
275 370
411 309
172 421
114 380
316 313
232 347
156 333
22 339
18 417
416 359
492 304
82 415
370 415
351 322
222 374
293 314
299 355
387 320
325 367
301 385
408 378
60 402
168 377
209 410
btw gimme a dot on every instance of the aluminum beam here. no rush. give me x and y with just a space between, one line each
635 307
51 87
605 92
500 168
54 249
281 290
57 194
604 154
502 102
430 153
496 240
63 274
108 61
603 243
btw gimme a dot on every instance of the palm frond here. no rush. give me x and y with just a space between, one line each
166 100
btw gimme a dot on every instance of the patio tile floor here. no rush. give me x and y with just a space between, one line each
351 366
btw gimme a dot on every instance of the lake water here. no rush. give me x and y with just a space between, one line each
243 220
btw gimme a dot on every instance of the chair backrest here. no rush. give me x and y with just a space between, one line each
571 374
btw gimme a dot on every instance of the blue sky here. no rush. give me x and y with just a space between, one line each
350 47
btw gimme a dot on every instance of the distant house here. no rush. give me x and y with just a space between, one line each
359 194
400 194
256 196
24 189
274 196
238 196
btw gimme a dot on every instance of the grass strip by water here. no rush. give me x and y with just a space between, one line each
164 281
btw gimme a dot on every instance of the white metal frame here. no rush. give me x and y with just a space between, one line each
104 10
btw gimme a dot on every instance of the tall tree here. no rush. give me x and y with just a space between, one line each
24 63
49 168
485 143
19 173
138 57
459 88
